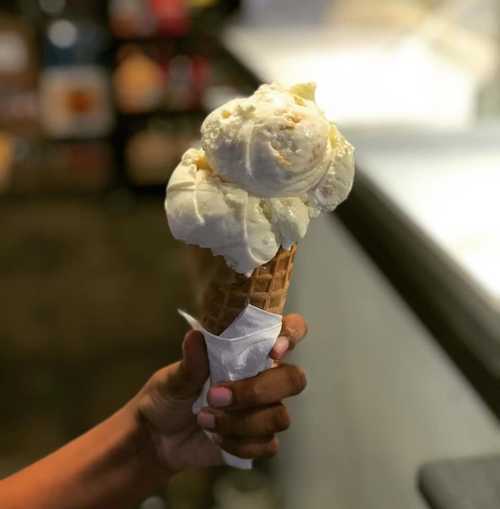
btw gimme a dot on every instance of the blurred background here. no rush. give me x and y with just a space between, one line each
98 100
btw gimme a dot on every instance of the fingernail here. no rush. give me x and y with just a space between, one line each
206 420
220 397
281 347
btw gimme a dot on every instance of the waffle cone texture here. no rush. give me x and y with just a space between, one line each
227 292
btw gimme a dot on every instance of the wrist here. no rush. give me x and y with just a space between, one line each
143 443
112 465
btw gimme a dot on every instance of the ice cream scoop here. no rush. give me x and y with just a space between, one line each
204 210
269 163
274 143
336 184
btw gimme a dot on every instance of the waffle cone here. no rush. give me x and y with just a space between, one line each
227 292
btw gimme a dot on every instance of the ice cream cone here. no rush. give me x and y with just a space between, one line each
229 292
198 264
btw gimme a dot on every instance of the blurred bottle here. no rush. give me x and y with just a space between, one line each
75 96
139 79
76 109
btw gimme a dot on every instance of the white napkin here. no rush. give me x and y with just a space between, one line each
241 351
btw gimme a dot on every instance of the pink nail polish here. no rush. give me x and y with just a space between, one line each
206 420
220 397
281 347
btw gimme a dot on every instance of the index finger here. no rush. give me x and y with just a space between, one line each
267 388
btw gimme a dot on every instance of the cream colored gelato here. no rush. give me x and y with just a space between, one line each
274 143
269 163
205 211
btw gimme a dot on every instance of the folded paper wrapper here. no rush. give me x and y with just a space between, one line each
241 351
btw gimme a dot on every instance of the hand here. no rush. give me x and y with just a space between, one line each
244 415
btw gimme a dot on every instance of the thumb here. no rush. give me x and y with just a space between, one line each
191 372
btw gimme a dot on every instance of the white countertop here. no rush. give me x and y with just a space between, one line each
447 185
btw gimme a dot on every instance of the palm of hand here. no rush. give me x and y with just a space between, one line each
180 442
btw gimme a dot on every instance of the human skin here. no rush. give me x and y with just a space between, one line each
155 435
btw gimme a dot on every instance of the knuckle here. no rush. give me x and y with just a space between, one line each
289 326
297 379
281 419
272 448
146 405
295 326
253 394
156 377
157 380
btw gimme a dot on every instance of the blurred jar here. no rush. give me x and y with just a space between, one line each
75 97
139 81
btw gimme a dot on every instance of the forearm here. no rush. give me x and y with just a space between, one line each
111 466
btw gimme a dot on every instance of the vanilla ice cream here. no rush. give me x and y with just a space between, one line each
205 211
274 143
269 163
